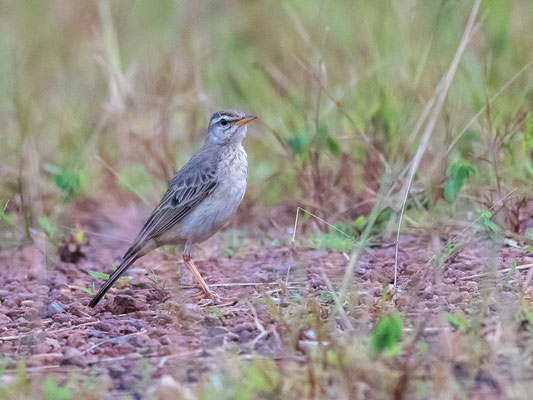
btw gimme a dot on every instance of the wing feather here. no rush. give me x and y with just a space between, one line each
188 188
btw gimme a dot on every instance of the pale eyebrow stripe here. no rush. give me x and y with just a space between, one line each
228 117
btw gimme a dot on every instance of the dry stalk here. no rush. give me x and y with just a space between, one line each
432 121
501 271
338 303
293 239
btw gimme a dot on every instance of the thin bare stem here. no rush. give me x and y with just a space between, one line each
327 223
431 123
338 302
501 271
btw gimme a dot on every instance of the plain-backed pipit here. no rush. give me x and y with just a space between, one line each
200 199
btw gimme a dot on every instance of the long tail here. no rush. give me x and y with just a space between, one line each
124 265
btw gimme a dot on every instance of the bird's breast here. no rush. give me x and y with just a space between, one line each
216 210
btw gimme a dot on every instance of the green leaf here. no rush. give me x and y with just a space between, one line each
217 313
486 221
387 334
325 296
70 181
457 173
452 249
98 275
48 229
333 146
393 350
332 357
297 144
510 273
360 223
89 291
54 392
456 321
383 216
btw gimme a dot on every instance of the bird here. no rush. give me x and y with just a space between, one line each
200 199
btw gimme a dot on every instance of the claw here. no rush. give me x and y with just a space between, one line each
209 299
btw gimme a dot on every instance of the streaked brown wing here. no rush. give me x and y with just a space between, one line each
186 191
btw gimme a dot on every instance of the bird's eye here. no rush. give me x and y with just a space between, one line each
223 122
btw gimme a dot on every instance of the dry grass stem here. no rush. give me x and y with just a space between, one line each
431 124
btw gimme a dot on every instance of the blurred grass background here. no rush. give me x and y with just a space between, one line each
118 93
106 99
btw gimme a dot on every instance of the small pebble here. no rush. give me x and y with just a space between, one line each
54 308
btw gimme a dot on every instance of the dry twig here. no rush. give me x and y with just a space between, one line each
432 121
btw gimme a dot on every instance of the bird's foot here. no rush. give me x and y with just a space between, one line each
207 298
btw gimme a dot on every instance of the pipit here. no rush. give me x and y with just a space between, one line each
200 199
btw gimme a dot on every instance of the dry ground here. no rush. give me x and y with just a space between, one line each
153 325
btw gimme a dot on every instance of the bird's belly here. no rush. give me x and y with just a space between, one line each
214 212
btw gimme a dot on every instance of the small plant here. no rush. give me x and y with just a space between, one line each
229 252
70 181
457 321
123 281
510 273
259 378
340 238
48 229
458 172
452 250
52 391
90 291
325 296
298 144
99 275
449 255
216 312
387 334
489 227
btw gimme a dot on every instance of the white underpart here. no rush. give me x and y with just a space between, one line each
216 210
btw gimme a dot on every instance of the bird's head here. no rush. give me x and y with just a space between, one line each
228 126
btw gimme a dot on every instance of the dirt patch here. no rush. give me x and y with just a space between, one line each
153 317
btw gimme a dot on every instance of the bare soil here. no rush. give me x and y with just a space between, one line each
154 317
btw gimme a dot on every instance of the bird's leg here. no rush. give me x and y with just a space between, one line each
197 275
194 270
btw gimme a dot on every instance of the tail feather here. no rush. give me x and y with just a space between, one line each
124 265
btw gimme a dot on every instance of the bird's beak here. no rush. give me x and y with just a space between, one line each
245 120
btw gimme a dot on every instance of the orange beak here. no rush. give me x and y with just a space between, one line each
245 120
